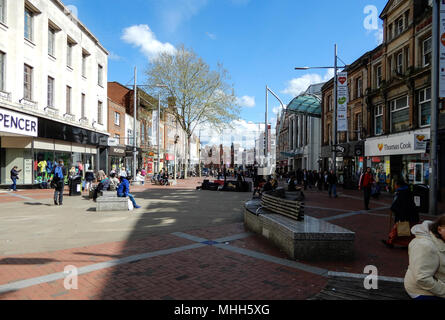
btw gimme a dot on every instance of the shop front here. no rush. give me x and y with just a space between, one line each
116 158
399 156
35 145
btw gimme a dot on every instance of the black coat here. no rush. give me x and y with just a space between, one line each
332 179
404 207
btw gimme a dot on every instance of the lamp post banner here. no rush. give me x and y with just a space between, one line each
441 50
342 101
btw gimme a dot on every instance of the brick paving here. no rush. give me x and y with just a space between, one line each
206 272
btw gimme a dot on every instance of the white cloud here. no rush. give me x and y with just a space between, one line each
297 86
114 56
174 12
211 35
141 36
246 101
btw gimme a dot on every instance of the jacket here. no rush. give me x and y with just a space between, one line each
366 180
404 207
124 188
14 174
426 270
332 179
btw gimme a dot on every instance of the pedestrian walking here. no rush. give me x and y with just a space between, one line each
425 277
406 215
14 177
365 183
320 181
332 184
89 178
291 184
58 181
325 180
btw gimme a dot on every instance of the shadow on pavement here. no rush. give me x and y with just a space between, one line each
25 261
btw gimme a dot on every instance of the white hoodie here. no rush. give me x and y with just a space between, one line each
426 270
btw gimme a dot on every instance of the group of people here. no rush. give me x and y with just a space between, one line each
318 179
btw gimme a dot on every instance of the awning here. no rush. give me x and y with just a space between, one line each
307 104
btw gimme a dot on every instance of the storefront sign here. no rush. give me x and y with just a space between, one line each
394 145
18 123
420 142
118 152
342 101
112 142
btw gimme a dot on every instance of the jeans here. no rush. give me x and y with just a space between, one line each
58 192
367 196
333 189
14 184
129 196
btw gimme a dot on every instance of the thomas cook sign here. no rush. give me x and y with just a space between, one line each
403 144
18 123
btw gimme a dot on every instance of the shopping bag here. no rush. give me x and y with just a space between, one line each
130 205
403 229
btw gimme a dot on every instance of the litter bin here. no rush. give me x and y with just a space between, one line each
421 194
75 186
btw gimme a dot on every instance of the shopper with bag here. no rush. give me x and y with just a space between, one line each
58 182
425 277
406 215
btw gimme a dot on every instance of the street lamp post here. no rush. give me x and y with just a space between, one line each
266 131
334 116
159 127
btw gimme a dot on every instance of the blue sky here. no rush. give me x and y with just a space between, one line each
258 41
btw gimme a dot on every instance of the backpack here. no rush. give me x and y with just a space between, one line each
58 172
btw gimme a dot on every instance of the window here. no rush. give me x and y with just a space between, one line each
378 76
2 11
27 83
329 102
69 54
399 63
82 106
426 52
99 112
390 34
130 136
51 41
358 86
425 107
50 102
68 99
117 118
399 114
99 74
399 25
2 71
28 24
378 120
84 64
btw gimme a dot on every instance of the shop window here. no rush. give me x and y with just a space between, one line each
399 114
378 125
425 107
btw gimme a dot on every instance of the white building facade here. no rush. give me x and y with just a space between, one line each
53 73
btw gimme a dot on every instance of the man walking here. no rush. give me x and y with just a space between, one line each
365 183
14 177
59 173
332 182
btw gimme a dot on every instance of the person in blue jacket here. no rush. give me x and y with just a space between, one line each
124 190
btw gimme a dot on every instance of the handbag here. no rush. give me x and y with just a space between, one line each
403 229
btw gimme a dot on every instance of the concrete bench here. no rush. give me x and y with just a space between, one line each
108 194
312 239
112 204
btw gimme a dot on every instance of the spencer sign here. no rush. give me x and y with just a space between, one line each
18 123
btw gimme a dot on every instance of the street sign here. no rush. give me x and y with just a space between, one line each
342 101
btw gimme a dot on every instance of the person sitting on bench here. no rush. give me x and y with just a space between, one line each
124 190
104 184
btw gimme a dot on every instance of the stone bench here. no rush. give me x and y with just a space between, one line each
108 194
112 204
312 239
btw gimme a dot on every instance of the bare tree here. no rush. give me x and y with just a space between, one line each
201 96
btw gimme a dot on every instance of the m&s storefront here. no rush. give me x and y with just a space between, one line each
399 155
